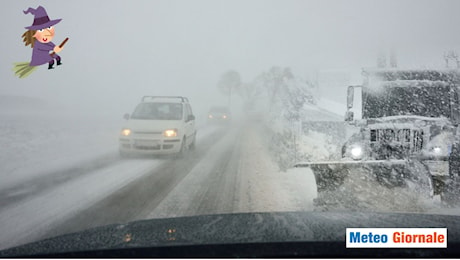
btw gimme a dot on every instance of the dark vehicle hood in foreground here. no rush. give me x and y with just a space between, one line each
323 229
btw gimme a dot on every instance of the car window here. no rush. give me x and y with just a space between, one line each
222 110
158 111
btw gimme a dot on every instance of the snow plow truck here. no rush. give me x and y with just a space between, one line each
405 135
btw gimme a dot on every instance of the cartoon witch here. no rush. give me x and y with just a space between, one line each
39 37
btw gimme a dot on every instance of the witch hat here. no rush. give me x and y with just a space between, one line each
41 19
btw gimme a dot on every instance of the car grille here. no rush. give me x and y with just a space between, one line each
147 133
147 144
395 143
143 147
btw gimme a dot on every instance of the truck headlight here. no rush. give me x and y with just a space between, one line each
126 132
436 150
170 133
356 152
440 150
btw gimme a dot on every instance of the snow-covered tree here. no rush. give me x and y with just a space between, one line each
286 94
273 81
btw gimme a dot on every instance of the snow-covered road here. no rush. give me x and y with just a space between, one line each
230 171
243 178
46 190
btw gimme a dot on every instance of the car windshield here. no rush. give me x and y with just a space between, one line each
234 114
158 111
221 110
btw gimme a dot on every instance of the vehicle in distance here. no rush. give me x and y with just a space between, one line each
219 114
159 125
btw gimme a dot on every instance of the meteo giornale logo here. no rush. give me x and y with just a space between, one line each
396 238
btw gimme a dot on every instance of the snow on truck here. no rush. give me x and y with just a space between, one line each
407 134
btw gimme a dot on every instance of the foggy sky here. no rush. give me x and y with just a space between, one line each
121 50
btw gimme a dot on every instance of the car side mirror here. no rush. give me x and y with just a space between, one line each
349 116
191 117
126 116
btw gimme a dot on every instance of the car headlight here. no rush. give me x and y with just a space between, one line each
356 152
126 132
170 133
210 116
224 116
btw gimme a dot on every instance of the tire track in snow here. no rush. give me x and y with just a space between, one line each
30 219
242 178
76 204
137 199
204 186
42 183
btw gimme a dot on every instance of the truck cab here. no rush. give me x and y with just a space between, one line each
407 115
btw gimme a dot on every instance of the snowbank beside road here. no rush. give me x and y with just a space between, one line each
30 219
318 146
34 145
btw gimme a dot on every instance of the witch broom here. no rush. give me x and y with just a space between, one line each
23 69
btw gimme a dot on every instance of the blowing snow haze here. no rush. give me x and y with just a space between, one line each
121 50
306 148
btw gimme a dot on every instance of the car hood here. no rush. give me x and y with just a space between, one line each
233 228
151 125
218 113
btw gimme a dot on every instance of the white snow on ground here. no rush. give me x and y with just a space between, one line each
260 186
318 146
26 220
269 188
34 145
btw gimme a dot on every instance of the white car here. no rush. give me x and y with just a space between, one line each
159 125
